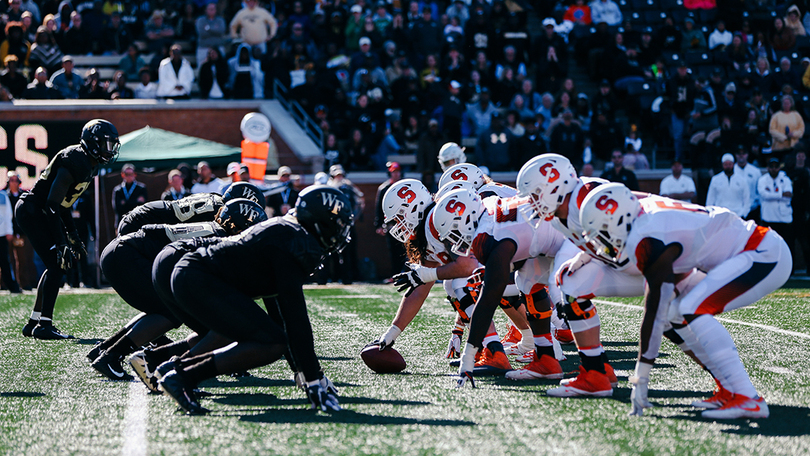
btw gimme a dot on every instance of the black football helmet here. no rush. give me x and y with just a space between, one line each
100 141
239 214
245 190
326 213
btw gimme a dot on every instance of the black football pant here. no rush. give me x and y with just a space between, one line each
32 220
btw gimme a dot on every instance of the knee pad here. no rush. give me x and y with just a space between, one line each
673 336
510 301
538 305
463 306
581 315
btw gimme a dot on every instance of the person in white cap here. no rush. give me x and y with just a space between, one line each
606 11
730 190
208 182
281 202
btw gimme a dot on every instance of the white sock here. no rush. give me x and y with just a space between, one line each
491 337
35 315
720 348
527 339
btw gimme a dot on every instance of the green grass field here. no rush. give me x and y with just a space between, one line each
52 402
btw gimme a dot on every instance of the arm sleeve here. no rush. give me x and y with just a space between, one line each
711 196
799 125
773 129
765 192
56 215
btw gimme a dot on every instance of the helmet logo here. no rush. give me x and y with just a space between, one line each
459 175
607 204
544 170
407 194
250 194
332 200
248 212
455 207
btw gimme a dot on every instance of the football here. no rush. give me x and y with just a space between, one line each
388 361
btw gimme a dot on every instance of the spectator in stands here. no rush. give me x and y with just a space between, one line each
158 33
129 194
245 76
495 147
14 11
568 139
704 114
681 91
357 155
382 19
738 52
634 160
793 21
365 57
729 189
347 258
720 37
518 105
176 189
29 29
118 89
354 28
22 253
426 35
776 190
131 63
796 169
453 111
580 15
116 36
146 89
66 81
76 39
45 52
692 38
618 173
531 99
782 38
185 27
430 73
428 149
531 144
12 78
606 11
396 249
546 109
207 182
479 35
30 6
479 114
729 105
41 88
331 151
212 32
93 88
458 9
175 75
784 75
606 135
15 43
551 56
678 186
283 197
254 25
214 75
762 77
751 174
786 127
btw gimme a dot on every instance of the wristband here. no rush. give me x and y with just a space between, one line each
428 274
392 333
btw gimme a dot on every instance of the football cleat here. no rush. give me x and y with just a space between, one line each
739 406
525 358
109 365
611 375
166 367
140 366
565 336
720 397
175 387
28 329
587 383
49 332
492 363
546 367
516 349
94 353
512 336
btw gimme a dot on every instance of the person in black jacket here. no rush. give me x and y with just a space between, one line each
214 69
129 194
396 249
619 173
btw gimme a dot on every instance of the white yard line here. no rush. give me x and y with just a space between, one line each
135 421
725 320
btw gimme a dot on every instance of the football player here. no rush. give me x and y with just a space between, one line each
216 287
44 215
451 154
127 264
493 233
200 207
667 240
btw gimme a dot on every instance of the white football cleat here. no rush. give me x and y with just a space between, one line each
739 406
516 349
525 358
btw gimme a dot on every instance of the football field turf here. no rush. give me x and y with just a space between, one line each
53 403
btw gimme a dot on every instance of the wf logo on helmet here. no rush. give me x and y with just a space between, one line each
332 200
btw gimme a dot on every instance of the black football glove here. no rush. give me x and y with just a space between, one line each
407 282
76 245
64 256
321 397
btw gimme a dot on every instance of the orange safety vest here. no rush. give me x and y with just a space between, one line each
254 155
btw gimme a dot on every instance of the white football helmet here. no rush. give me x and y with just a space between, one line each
456 219
403 207
545 179
607 215
451 154
453 185
463 172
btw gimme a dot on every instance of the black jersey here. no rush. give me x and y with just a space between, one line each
246 258
77 163
200 207
150 239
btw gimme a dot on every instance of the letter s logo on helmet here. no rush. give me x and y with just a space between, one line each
407 194
459 175
605 203
544 170
455 207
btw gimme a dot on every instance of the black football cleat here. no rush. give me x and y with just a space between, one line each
175 387
49 332
166 367
109 365
28 329
94 353
140 365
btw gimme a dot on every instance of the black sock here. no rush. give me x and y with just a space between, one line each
123 347
162 354
544 351
113 339
45 322
605 358
198 372
592 362
162 340
495 346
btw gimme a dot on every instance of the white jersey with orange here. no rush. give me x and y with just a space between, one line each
497 189
436 250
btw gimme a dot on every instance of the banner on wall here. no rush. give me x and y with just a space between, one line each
28 147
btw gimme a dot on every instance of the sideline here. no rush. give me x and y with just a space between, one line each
135 421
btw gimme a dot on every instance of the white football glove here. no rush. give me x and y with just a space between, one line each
418 275
466 366
638 396
387 339
321 398
453 347
577 262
